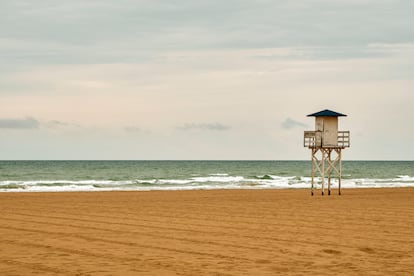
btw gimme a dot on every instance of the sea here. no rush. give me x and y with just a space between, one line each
63 176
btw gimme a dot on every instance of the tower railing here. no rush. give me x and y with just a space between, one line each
309 139
344 140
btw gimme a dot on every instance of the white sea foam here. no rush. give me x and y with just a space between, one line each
405 178
214 181
217 178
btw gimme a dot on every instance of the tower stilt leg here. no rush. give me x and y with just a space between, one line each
313 171
329 171
323 171
339 171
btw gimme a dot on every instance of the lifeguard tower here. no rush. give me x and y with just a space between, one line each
326 143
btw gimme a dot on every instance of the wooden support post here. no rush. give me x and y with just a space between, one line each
313 170
329 171
323 171
340 171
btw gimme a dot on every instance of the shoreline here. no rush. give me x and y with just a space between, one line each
204 232
22 191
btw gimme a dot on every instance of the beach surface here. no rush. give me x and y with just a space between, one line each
215 232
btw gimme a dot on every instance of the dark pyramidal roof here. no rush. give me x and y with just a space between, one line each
327 113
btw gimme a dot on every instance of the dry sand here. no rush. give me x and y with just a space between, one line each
230 232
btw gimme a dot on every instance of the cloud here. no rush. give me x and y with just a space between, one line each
59 124
214 126
110 31
27 123
132 129
290 123
135 129
32 123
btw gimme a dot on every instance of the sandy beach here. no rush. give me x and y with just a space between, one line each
219 232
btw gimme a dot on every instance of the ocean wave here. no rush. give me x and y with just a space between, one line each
211 181
264 177
405 178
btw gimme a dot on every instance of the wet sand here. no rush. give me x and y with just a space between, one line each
230 232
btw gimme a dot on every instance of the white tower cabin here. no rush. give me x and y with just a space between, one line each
325 140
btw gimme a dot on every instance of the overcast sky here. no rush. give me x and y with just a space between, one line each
157 79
